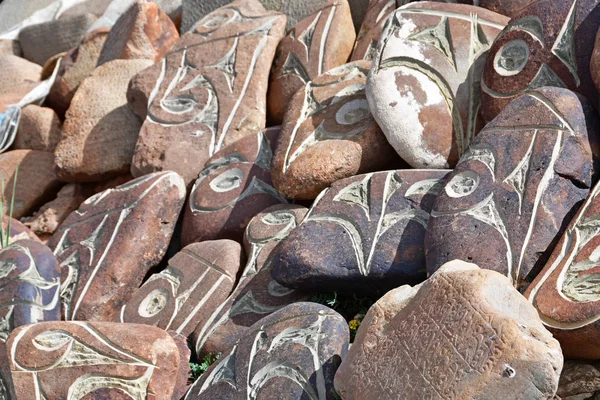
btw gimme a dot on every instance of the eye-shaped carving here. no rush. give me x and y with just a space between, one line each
153 304
511 58
462 184
227 181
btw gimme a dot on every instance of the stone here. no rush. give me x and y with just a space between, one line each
220 98
101 264
424 82
39 129
100 129
100 360
510 8
579 380
75 66
17 78
139 89
364 234
293 352
234 185
198 279
372 26
595 63
545 44
329 134
13 12
257 295
309 49
144 31
517 186
181 382
94 7
36 184
17 231
39 42
466 333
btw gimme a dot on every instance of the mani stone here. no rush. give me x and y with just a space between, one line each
234 185
372 26
17 78
310 49
75 66
17 230
329 134
506 202
365 234
143 32
579 380
217 98
566 292
39 129
510 8
107 246
182 379
198 279
424 82
36 183
257 294
465 333
93 360
545 44
292 354
100 129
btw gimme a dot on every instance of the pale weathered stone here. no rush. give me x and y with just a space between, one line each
39 129
17 78
579 380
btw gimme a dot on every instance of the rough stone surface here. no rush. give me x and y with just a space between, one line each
181 382
18 231
17 78
466 333
424 82
100 360
39 129
293 352
140 88
510 8
257 294
101 264
221 97
524 174
318 43
579 380
595 63
548 43
365 233
198 279
234 185
100 129
372 26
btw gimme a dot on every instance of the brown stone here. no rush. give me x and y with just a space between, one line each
257 294
139 89
107 246
466 333
221 97
234 185
99 360
318 43
424 83
36 181
143 32
512 192
181 382
548 43
17 230
579 380
510 8
100 129
198 279
17 78
371 28
595 63
39 129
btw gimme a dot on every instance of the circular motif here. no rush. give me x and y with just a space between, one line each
227 181
352 112
462 184
153 303
511 58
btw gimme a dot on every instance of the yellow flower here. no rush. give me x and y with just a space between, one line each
354 324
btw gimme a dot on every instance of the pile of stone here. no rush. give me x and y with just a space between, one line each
182 178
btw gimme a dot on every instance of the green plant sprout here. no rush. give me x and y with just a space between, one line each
198 369
5 234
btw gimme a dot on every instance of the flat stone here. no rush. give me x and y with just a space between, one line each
257 294
234 185
371 28
39 129
466 333
97 360
101 264
523 175
363 234
144 31
294 351
321 41
198 279
222 96
424 83
18 231
100 129
579 380
548 43
17 78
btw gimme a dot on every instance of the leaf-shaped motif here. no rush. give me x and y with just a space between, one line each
309 337
136 388
247 304
224 371
357 193
279 369
564 46
440 38
426 186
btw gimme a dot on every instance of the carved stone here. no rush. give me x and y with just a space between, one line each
548 43
234 185
466 333
107 246
510 8
318 43
329 134
99 360
100 130
514 187
211 90
365 234
198 279
371 29
257 294
18 231
182 383
293 354
424 83
17 77
579 380
39 129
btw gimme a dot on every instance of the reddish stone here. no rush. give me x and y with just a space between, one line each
18 231
39 129
17 78
181 382
372 26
